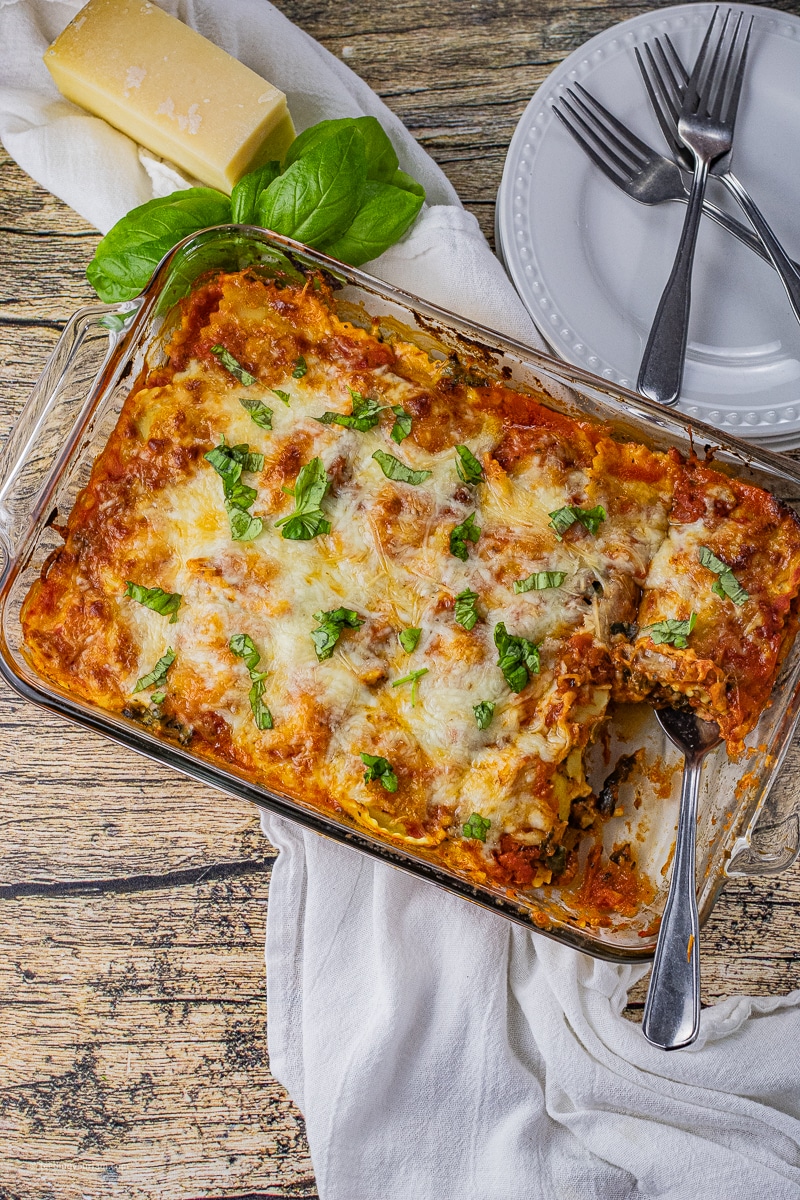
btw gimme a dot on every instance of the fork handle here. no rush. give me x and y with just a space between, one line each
780 259
672 1011
661 371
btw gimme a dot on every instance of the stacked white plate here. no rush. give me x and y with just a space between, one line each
590 263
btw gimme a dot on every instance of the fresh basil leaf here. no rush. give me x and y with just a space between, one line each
158 676
244 527
307 520
413 677
394 469
300 368
385 213
240 495
518 658
229 462
158 697
243 647
284 396
380 769
156 598
477 827
465 612
589 518
331 626
409 639
261 714
407 182
317 197
484 713
244 197
671 632
727 584
128 255
468 468
379 154
540 580
259 413
467 531
402 424
231 365
365 415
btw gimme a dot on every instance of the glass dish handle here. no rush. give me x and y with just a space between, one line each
36 440
772 843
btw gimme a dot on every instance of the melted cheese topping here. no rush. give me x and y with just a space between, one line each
154 513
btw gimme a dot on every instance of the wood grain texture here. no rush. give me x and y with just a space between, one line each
132 901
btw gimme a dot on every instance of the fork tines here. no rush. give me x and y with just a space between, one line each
608 142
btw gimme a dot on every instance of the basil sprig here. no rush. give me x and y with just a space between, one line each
727 584
229 462
380 769
331 626
364 415
259 413
409 639
156 598
243 647
468 468
338 189
158 676
589 518
233 367
539 580
671 632
477 827
394 469
518 658
465 611
484 712
467 531
284 396
402 424
308 520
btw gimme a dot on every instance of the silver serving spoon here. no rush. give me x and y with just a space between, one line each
672 1012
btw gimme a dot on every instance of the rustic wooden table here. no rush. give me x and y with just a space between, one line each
132 902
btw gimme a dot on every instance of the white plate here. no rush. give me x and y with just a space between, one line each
590 263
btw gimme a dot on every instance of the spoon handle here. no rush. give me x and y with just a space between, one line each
672 1011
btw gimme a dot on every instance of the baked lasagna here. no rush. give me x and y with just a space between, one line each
365 577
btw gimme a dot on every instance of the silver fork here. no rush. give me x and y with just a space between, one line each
705 126
636 168
665 78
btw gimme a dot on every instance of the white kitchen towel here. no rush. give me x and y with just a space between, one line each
438 1052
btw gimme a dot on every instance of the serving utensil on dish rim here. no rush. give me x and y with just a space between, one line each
672 1011
705 126
666 81
634 167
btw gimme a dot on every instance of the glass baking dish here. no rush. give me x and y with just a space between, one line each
749 818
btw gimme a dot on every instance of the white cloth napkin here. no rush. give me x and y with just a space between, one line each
436 1051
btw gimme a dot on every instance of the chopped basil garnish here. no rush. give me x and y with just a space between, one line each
477 827
155 598
243 647
300 368
671 632
394 469
308 520
284 396
229 462
727 584
409 639
259 413
465 611
484 712
402 424
518 658
467 531
540 580
467 465
365 415
230 364
413 677
589 518
380 769
158 676
331 626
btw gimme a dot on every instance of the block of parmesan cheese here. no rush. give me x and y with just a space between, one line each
171 90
